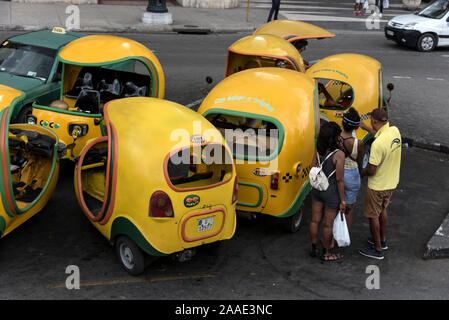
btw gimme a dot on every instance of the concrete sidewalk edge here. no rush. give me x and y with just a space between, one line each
438 245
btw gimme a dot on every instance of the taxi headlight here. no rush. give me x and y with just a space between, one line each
410 26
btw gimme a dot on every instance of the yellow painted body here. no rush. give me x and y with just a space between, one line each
27 209
7 96
362 73
97 52
262 51
288 99
60 122
293 30
142 141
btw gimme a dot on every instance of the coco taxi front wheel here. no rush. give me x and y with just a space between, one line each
130 256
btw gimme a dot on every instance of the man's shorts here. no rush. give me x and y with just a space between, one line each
359 1
375 202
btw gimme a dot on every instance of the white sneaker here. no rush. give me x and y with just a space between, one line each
380 15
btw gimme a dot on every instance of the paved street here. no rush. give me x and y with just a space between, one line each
261 261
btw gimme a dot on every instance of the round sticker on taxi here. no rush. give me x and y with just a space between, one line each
191 200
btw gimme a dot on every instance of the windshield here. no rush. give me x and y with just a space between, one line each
26 60
436 10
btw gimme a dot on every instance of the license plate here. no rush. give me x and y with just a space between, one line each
205 224
390 33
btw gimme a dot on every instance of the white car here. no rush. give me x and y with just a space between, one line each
423 30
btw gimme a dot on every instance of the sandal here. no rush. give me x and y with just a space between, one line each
314 251
330 256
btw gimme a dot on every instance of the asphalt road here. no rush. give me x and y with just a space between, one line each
261 261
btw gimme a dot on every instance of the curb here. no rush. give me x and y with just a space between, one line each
435 146
140 28
438 245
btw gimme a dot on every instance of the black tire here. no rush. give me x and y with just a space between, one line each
366 154
426 42
26 111
131 258
293 223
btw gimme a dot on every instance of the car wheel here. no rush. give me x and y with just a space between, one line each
426 43
130 256
293 223
26 111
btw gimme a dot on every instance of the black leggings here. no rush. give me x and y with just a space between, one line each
274 9
381 6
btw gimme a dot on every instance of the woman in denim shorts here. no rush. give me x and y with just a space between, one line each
354 151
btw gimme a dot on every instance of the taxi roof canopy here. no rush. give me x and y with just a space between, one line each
292 30
267 46
103 49
142 123
273 92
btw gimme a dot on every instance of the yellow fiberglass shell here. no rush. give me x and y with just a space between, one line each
60 121
292 30
362 73
7 96
142 132
262 51
287 99
14 213
103 50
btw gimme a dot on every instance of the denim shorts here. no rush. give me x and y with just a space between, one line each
352 185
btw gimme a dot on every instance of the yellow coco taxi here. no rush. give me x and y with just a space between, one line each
351 80
269 117
97 69
158 185
262 51
293 30
29 164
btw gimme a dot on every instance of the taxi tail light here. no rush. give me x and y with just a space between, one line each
160 205
274 181
235 191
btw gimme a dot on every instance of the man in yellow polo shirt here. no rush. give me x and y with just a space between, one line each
383 177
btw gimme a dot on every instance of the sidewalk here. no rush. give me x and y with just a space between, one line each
120 18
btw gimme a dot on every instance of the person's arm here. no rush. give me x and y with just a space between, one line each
368 128
330 102
339 159
360 154
314 161
369 171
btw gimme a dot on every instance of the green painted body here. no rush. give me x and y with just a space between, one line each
39 91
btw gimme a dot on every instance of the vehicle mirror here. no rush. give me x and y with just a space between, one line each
390 86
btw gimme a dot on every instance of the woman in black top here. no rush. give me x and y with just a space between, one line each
326 204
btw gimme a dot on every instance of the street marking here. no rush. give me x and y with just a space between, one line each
194 103
400 77
435 79
134 280
445 55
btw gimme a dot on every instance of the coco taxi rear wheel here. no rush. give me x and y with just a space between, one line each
293 223
130 256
